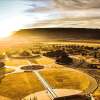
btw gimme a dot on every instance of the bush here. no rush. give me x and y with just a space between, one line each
24 53
2 64
64 60
2 56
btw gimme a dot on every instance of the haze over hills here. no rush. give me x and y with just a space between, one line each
60 33
25 37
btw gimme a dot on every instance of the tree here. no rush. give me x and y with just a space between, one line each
24 53
2 56
2 70
64 59
2 64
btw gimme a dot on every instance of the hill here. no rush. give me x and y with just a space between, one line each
60 33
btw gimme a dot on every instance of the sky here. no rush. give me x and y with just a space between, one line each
12 16
18 14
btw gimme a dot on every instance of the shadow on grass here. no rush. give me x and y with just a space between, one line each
2 73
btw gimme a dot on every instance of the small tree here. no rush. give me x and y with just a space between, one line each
2 70
2 56
2 64
65 59
24 53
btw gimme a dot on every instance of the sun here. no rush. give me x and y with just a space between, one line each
5 33
8 27
6 30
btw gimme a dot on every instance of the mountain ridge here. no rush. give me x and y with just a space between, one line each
61 33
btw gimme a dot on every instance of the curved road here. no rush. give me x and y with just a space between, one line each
93 85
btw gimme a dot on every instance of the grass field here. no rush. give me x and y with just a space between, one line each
4 98
16 86
16 62
43 60
96 74
9 70
5 71
62 78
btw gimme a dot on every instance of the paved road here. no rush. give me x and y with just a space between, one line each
44 82
50 91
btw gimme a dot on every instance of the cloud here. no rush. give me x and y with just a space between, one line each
66 13
50 13
65 4
78 4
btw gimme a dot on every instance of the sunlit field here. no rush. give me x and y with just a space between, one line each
9 70
16 62
96 74
43 60
16 86
56 77
50 47
66 78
